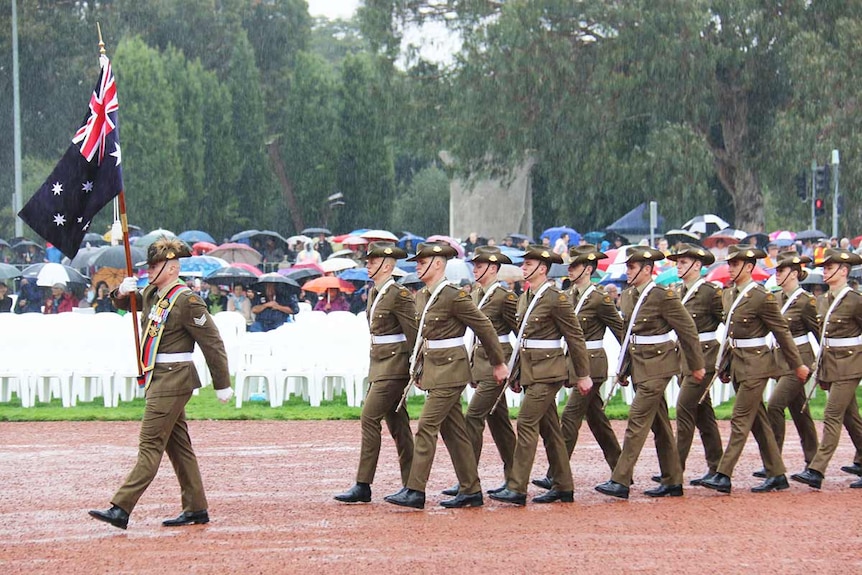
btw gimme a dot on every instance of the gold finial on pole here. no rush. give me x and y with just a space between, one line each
101 44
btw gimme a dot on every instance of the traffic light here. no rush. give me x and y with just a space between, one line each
821 180
802 186
819 207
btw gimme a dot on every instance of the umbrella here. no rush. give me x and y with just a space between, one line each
371 235
406 265
23 245
458 269
232 275
554 234
84 256
201 266
705 225
521 237
355 275
449 240
595 237
8 272
201 248
612 255
49 274
856 241
4 244
276 278
720 272
315 232
617 277
677 236
354 241
811 235
299 274
337 265
510 273
145 240
667 277
235 252
310 266
781 235
409 237
729 236
815 276
298 240
244 235
515 254
558 271
256 271
341 254
411 279
320 285
195 236
111 276
93 239
760 239
115 257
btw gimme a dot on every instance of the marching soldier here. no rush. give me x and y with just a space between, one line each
702 300
546 317
392 323
501 306
650 356
447 311
596 312
174 320
799 308
839 365
751 313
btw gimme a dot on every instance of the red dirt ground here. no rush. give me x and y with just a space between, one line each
270 488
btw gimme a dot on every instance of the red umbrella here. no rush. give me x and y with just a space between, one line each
320 285
308 265
721 273
856 241
248 267
201 248
449 240
603 264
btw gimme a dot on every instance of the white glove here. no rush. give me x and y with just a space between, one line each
127 286
225 394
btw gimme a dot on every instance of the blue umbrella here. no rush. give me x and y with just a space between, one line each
195 236
354 275
201 266
618 278
553 234
408 237
516 255
408 267
594 237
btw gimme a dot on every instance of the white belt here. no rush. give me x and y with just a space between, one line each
541 343
595 344
504 338
801 340
750 342
444 343
394 338
174 357
843 341
651 339
707 336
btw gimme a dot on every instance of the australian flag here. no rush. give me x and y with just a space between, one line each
87 177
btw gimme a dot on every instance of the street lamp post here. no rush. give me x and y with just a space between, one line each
835 164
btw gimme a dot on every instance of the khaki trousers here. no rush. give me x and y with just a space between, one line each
499 423
164 429
442 414
539 413
749 416
380 403
649 411
590 406
789 393
842 399
691 414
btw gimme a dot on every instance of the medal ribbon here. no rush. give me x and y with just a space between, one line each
153 334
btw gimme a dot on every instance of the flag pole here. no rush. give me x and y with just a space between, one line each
133 302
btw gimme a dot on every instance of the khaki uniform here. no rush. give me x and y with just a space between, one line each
501 309
164 427
446 372
597 313
543 373
652 365
802 318
707 311
840 369
756 316
388 374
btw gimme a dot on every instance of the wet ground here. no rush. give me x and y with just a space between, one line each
270 488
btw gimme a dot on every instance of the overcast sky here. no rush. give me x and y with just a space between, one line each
333 8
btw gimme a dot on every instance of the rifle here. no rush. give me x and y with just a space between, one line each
812 377
512 381
625 368
415 376
721 366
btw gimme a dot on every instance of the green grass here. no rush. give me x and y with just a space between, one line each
206 406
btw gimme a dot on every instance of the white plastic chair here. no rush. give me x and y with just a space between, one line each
257 363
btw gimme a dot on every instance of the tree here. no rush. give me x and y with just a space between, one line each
424 208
